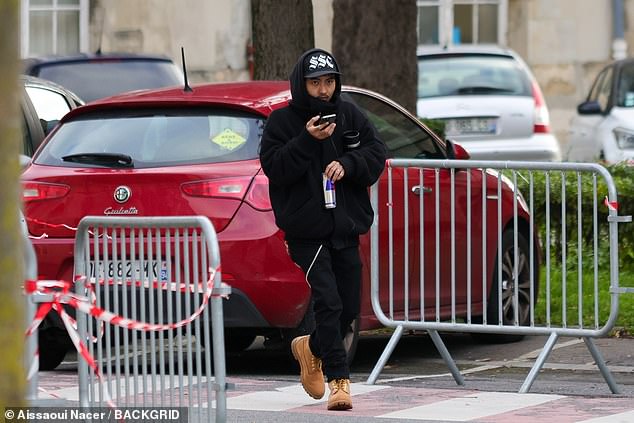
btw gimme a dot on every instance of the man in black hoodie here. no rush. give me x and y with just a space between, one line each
299 154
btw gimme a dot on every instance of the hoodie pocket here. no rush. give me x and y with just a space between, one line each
311 221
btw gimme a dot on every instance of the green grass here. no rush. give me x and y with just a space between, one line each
625 320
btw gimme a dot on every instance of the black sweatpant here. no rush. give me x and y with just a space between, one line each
334 276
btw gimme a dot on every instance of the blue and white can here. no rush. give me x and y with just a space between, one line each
330 199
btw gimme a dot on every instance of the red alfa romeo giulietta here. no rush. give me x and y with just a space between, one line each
172 152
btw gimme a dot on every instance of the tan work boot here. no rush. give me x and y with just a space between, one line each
311 375
339 398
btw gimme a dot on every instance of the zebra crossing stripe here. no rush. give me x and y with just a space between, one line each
626 417
288 397
474 406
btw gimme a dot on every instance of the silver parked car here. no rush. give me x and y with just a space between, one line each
43 103
98 75
603 127
489 101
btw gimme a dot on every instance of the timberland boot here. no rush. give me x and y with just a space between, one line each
311 375
339 398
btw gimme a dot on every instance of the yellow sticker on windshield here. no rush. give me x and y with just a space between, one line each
229 139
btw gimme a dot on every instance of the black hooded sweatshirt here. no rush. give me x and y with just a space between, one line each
294 162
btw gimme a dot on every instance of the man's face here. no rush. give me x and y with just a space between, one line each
322 87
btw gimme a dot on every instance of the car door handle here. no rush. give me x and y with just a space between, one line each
416 189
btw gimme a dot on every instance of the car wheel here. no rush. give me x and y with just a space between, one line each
53 346
510 284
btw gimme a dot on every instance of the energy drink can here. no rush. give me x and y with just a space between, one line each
330 199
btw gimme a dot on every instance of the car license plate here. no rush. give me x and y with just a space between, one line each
129 270
470 126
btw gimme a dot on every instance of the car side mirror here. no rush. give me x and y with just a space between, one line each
589 108
456 151
24 161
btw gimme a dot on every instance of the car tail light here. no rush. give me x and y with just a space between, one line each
234 188
254 191
258 195
542 119
32 191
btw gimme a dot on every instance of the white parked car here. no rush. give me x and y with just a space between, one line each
489 100
603 128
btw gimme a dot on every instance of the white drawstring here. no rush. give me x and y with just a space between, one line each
311 264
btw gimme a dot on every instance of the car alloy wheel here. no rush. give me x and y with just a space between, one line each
511 282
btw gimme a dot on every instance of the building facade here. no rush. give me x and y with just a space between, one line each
565 42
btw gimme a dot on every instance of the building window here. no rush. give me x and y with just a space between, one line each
54 26
428 22
462 21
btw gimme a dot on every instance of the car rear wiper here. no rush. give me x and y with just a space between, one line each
483 89
101 159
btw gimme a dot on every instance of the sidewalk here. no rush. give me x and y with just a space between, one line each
570 388
260 401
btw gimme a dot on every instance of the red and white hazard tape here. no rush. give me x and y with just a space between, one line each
194 288
611 205
61 294
54 225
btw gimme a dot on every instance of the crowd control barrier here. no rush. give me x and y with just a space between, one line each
442 228
30 348
154 285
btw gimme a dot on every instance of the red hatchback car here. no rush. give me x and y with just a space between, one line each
174 152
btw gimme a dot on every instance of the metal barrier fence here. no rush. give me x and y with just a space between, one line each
30 348
159 271
441 225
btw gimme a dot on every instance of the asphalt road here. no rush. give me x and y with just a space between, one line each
415 362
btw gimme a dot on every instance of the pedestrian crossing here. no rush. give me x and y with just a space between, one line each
446 405
405 404
473 406
286 398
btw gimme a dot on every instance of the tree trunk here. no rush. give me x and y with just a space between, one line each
282 31
12 325
375 42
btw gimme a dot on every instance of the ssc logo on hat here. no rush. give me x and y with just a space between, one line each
319 64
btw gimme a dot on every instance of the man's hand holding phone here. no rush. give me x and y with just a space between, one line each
321 127
327 119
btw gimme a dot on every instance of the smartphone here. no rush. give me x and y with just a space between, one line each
327 119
